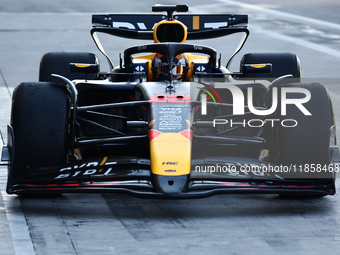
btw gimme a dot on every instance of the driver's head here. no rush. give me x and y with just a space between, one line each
161 66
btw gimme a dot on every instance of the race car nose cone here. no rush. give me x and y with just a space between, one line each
170 185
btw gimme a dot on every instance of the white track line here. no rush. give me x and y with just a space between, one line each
280 13
298 41
271 33
21 238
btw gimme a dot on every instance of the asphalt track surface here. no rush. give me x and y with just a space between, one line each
119 224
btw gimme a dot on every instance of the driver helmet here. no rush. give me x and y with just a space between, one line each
160 66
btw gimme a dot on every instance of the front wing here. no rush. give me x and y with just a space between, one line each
133 176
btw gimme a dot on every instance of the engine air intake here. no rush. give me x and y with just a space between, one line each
170 31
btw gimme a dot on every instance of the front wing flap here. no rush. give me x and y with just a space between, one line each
133 176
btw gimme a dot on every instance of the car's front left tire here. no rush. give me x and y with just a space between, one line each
40 120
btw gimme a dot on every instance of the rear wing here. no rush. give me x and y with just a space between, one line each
140 26
148 21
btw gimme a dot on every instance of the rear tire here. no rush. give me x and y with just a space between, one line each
58 63
40 118
282 64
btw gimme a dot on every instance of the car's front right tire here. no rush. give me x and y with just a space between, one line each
306 144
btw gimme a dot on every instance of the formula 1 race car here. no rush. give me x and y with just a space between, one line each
170 121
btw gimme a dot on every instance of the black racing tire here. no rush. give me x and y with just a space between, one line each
40 119
58 63
308 142
282 64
